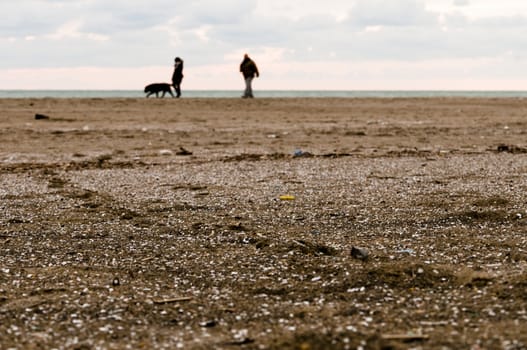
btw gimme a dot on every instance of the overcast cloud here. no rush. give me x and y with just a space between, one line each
352 44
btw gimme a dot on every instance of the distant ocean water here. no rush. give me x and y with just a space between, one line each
262 94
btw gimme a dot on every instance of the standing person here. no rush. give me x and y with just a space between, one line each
249 71
177 77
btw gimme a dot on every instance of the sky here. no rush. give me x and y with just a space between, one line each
297 44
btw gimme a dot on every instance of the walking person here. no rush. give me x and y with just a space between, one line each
249 70
177 76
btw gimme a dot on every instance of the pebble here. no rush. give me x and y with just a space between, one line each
359 253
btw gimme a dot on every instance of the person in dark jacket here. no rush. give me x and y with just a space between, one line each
249 70
177 77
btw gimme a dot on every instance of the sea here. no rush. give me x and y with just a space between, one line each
262 94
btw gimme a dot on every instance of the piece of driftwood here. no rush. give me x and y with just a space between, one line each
172 300
404 337
433 324
39 116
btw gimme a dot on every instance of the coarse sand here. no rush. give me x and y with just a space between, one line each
263 224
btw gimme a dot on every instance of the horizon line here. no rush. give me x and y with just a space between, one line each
295 90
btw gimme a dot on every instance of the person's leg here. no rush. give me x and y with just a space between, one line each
245 92
251 88
248 87
177 87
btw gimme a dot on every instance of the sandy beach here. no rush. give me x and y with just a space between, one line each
263 224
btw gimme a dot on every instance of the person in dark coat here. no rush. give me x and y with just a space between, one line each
249 70
177 77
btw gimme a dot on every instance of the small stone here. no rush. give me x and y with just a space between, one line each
300 153
359 253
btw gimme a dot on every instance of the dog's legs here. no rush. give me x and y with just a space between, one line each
148 95
163 95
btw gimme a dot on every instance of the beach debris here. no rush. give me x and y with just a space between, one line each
503 148
405 337
208 324
240 338
287 197
201 194
311 248
39 116
237 227
172 300
471 278
299 153
434 323
116 282
103 158
359 253
355 133
166 152
406 251
240 342
335 155
183 152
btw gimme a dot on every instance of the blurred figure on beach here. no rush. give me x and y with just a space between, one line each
177 76
249 70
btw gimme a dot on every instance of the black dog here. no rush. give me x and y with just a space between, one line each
156 88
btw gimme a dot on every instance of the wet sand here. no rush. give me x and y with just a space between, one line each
158 223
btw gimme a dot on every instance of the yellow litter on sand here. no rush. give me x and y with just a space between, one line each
287 197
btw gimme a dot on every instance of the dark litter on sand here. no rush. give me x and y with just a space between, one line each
39 116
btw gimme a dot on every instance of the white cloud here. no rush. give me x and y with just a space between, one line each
73 29
303 40
297 9
391 13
